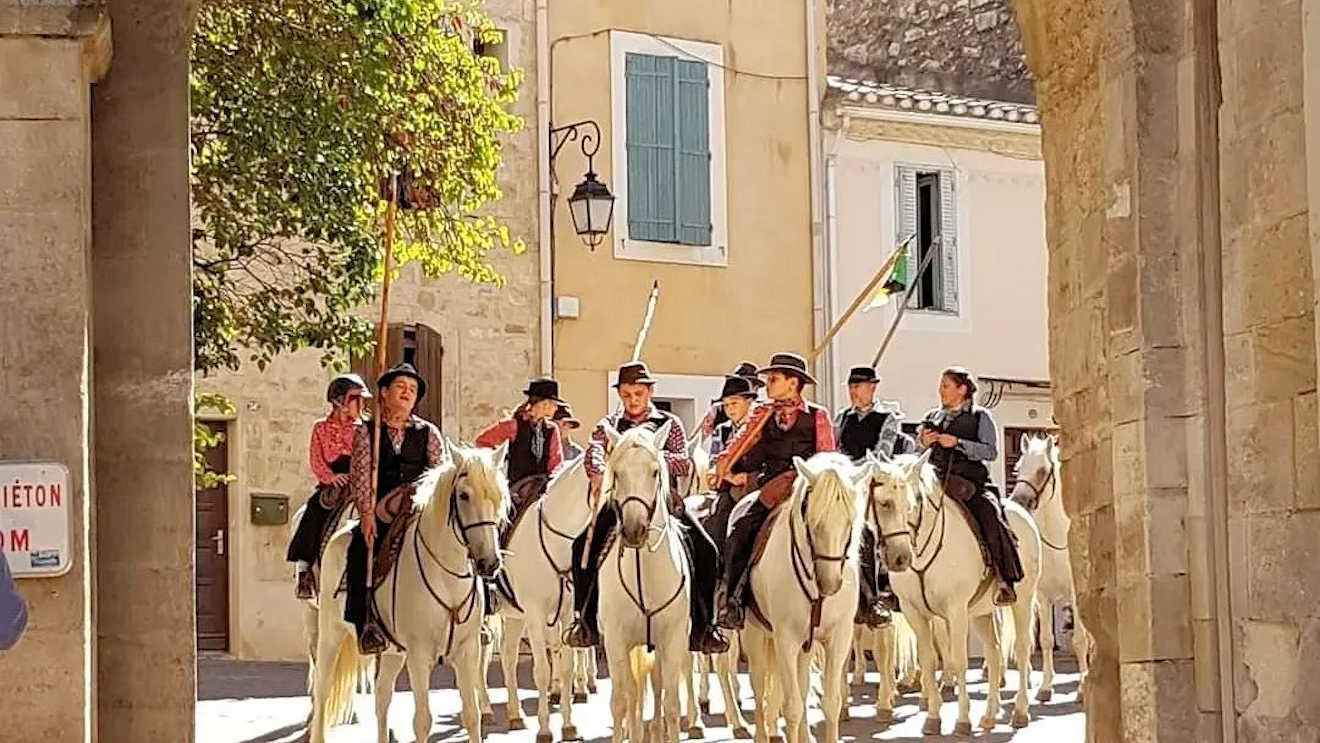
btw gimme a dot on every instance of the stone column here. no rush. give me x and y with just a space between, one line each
143 364
49 57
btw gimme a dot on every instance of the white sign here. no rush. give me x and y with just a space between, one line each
34 518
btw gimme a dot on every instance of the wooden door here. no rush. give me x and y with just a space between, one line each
212 558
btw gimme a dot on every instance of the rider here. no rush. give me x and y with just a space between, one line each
634 389
861 428
414 446
536 450
962 437
716 415
330 450
563 418
736 401
775 432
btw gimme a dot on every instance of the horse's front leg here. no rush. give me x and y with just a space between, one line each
388 669
957 666
792 696
987 629
695 722
509 639
562 659
485 656
621 693
541 672
705 666
419 664
726 671
1045 615
884 664
468 676
833 686
1022 657
928 660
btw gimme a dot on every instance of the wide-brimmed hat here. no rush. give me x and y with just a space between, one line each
789 363
737 385
747 370
862 374
564 416
343 384
634 373
402 370
545 388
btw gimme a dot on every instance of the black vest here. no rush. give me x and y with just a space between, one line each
774 453
966 426
405 466
857 436
522 461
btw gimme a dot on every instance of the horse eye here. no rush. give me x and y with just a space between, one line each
464 496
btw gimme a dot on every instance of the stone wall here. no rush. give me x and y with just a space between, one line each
970 47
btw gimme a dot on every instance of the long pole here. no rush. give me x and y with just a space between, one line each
861 297
646 321
875 362
382 342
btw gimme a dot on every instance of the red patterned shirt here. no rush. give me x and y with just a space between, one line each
785 413
332 438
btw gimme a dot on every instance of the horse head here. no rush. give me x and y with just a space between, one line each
471 491
1037 471
636 479
893 496
826 494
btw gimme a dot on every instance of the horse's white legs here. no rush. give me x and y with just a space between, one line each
419 678
696 723
884 663
928 660
541 672
760 672
675 663
562 658
512 635
1022 652
986 627
726 671
468 676
956 665
1082 648
484 656
390 665
858 655
704 666
792 697
621 691
836 658
1045 614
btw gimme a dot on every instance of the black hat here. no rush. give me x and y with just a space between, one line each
342 384
402 370
747 370
634 373
545 388
736 385
862 374
790 363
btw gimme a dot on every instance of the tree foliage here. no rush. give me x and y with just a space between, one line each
299 109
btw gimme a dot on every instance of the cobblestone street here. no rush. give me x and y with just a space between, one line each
242 702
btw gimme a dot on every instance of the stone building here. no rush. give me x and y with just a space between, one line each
1182 167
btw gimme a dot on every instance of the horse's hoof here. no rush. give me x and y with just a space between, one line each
988 723
579 697
487 719
393 738
776 739
591 686
1045 694
845 714
906 688
570 733
884 716
517 723
705 706
1020 718
948 694
932 726
352 718
742 733
682 722
554 697
696 732
963 729
545 737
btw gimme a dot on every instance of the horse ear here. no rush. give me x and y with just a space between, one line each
662 434
612 437
449 451
803 471
865 472
914 471
879 455
501 456
1024 443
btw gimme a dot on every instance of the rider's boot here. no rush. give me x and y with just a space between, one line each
581 634
306 584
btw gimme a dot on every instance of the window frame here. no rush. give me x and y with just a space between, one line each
716 254
941 172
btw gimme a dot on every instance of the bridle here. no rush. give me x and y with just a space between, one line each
805 571
912 531
456 522
1051 482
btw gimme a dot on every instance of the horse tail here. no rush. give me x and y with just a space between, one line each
343 681
905 646
1006 629
641 660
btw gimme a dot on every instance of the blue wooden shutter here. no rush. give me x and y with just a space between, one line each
905 220
693 164
651 107
948 242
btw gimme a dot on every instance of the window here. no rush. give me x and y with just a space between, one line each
927 206
420 346
495 46
668 149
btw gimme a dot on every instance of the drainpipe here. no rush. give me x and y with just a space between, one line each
546 249
832 249
820 287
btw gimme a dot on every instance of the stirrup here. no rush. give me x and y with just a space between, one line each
732 617
306 588
371 641
711 642
579 635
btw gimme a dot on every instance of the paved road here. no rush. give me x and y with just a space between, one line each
242 702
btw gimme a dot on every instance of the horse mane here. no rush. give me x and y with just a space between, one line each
482 471
894 469
928 484
833 496
638 436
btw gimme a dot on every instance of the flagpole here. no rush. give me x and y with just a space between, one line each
382 342
902 308
646 321
861 297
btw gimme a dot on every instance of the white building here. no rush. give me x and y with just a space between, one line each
966 176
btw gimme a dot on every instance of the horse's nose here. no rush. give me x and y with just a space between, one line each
900 562
487 566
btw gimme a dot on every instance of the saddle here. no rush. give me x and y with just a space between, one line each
329 527
523 494
391 545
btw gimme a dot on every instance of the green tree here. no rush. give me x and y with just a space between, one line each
299 109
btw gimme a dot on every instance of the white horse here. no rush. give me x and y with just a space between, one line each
894 649
936 569
538 565
431 602
1039 490
308 611
806 587
644 586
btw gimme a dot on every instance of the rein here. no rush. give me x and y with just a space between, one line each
805 572
565 575
1052 482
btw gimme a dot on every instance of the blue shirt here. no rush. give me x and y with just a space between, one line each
986 446
13 609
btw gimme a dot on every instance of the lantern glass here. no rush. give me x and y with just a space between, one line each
592 209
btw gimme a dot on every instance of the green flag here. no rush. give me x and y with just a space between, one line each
894 283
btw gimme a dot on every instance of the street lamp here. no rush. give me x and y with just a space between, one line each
592 205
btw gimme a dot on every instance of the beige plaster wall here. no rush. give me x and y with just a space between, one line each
1000 329
708 317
